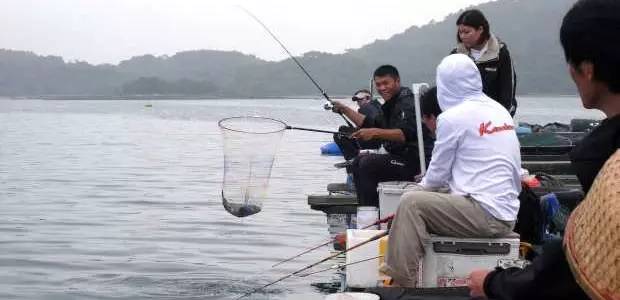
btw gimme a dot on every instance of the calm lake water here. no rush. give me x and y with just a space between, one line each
118 200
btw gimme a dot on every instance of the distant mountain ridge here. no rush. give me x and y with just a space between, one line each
529 28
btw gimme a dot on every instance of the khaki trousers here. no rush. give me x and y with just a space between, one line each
421 213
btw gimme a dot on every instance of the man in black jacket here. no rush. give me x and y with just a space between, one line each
395 128
368 107
589 36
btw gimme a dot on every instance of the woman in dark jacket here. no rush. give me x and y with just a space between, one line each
589 36
490 55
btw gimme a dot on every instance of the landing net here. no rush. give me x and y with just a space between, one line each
250 145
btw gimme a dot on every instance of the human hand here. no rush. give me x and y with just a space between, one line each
338 107
476 283
365 134
418 178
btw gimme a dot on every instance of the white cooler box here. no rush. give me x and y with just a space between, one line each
389 197
449 261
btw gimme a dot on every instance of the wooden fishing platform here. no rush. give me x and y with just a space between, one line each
334 203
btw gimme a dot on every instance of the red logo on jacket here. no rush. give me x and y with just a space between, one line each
485 128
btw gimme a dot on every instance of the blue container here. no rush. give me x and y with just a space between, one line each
550 206
331 149
523 130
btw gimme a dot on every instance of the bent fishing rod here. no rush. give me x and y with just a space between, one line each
380 221
374 238
296 62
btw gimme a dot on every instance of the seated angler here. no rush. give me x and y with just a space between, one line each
368 107
395 128
476 156
430 109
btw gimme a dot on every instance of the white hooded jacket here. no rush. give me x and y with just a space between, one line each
476 151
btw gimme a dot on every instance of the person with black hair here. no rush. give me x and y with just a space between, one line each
589 36
395 128
368 107
430 109
476 156
365 104
490 54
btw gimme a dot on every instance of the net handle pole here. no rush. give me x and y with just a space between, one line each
313 130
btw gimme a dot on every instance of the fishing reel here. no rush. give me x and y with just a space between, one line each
328 105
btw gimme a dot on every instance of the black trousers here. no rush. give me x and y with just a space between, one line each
370 169
350 147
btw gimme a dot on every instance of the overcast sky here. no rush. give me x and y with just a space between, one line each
108 31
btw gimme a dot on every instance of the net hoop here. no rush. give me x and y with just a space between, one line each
222 124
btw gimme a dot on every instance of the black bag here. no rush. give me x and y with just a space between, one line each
530 217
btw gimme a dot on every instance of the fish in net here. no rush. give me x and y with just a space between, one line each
250 146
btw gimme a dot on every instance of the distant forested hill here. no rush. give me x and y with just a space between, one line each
529 27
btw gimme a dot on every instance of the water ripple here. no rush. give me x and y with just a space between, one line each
119 203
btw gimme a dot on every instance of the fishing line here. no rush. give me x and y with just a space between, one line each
321 90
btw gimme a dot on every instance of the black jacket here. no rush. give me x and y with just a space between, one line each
399 113
589 156
372 109
549 275
499 79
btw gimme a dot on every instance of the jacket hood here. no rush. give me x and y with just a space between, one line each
458 80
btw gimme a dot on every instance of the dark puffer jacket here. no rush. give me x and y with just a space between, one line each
499 79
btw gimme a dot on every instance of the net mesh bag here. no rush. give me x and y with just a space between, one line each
250 146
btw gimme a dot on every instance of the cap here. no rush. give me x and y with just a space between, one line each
361 95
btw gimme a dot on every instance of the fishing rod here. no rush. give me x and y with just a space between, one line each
340 266
380 221
297 62
337 133
374 238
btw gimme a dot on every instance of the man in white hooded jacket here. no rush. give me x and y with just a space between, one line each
477 156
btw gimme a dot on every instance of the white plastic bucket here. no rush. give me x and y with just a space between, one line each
367 215
362 274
